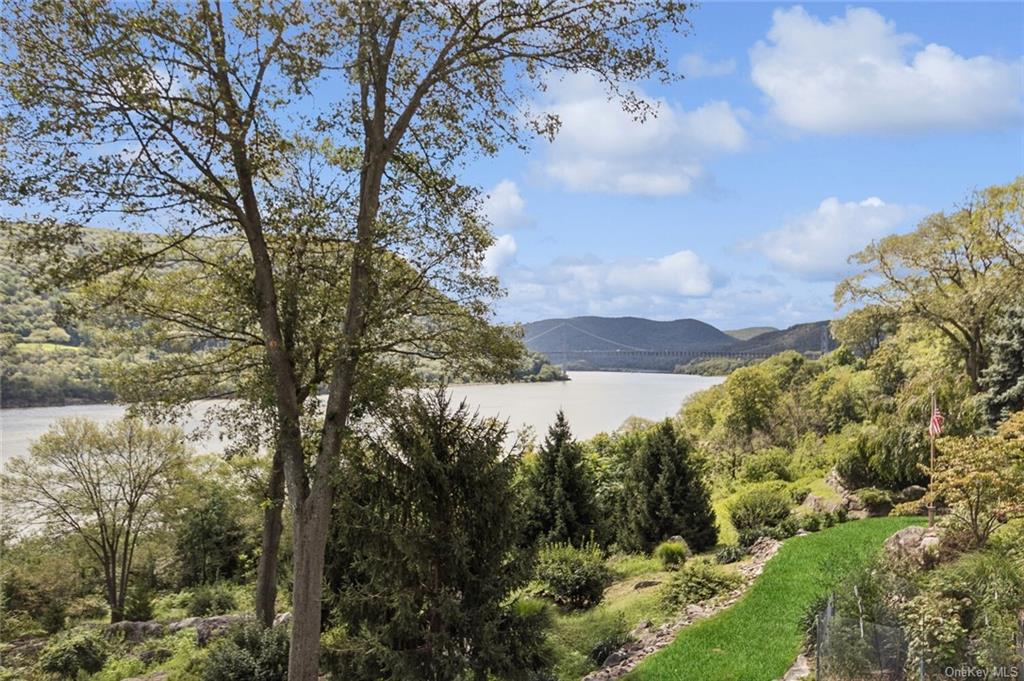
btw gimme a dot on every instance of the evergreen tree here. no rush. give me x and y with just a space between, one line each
1003 379
424 559
665 495
560 491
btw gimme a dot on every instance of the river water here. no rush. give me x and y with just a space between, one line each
593 401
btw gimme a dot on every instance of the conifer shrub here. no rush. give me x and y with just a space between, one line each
66 655
697 581
759 507
672 554
216 599
730 554
572 577
248 652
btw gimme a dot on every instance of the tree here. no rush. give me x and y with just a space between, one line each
1003 378
209 542
560 491
101 484
665 494
750 397
187 115
955 272
424 559
981 480
864 329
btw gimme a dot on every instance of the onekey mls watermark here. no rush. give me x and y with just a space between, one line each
965 671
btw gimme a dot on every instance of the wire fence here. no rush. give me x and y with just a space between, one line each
852 649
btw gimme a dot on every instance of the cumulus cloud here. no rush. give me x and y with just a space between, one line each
816 245
855 73
602 148
504 207
592 286
696 65
499 254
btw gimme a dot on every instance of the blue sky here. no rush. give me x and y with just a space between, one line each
799 134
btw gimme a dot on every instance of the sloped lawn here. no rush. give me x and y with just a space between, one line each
759 638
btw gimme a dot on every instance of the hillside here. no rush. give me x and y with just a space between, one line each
648 345
749 332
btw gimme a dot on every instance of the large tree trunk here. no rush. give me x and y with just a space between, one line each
266 571
312 523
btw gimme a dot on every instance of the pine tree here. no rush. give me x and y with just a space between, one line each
1004 376
665 494
423 564
560 492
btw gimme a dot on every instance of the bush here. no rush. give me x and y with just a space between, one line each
249 652
768 464
812 521
611 641
211 600
799 494
784 530
138 606
76 651
759 507
573 577
874 497
747 538
697 581
672 553
730 554
87 608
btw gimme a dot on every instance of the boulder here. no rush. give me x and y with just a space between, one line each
613 659
135 631
208 627
912 493
645 584
282 618
154 676
914 546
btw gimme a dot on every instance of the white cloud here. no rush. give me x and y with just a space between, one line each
592 286
504 207
855 73
816 245
696 65
499 254
602 148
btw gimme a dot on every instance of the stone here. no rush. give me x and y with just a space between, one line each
135 631
645 584
912 493
915 546
613 659
155 676
282 618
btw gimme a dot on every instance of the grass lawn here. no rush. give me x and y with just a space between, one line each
758 638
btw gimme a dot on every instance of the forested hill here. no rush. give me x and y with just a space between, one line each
613 342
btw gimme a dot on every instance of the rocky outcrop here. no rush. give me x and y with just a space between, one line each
135 631
915 547
648 639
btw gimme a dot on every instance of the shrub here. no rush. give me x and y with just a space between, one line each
87 608
211 600
812 521
611 641
672 553
872 496
784 530
249 652
747 538
573 577
697 581
799 494
761 506
730 554
768 464
76 651
138 606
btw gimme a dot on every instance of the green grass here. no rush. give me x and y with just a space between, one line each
758 638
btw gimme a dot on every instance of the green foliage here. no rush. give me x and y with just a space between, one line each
138 606
210 540
697 581
67 654
730 554
1003 378
626 565
424 556
665 494
215 599
572 577
612 638
248 652
559 490
91 607
762 506
885 455
768 464
672 554
812 521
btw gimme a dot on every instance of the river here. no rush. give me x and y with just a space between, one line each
593 401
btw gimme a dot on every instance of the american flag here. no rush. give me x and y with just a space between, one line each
935 425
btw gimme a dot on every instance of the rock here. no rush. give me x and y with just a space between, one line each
155 676
282 618
819 504
135 631
912 493
641 627
915 546
183 624
645 584
613 659
208 627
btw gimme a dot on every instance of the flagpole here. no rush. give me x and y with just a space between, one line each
931 467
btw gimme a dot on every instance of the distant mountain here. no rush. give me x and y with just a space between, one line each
749 332
644 344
